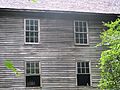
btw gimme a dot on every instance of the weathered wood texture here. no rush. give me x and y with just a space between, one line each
56 51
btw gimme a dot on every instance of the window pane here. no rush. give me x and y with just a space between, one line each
32 34
27 39
87 70
81 29
27 34
81 40
36 34
32 28
81 35
28 71
31 22
76 24
85 29
36 28
83 65
83 70
37 65
28 65
78 64
31 39
85 41
37 71
87 64
79 70
85 35
36 22
36 39
80 24
27 28
84 24
27 22
76 29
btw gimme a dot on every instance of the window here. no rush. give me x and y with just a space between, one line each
83 74
32 74
80 33
31 27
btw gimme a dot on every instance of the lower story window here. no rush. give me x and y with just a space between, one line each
83 74
32 74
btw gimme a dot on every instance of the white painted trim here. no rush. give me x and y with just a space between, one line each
81 32
25 31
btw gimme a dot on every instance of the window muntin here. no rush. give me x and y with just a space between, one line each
31 30
32 74
80 32
83 74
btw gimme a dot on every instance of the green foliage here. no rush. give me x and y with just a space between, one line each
34 0
110 58
9 65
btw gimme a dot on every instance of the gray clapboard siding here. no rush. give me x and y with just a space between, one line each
56 52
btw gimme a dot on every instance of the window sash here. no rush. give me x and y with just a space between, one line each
34 68
82 68
30 38
77 38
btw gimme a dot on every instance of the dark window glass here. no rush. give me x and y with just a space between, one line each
36 34
76 24
32 34
76 28
36 22
80 24
83 70
85 29
79 70
83 79
83 65
36 28
27 22
27 39
31 28
78 64
27 34
31 39
33 81
85 41
28 71
27 28
31 22
87 70
36 39
37 71
87 64
81 35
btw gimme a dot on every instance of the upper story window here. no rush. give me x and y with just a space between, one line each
83 73
32 74
80 32
32 31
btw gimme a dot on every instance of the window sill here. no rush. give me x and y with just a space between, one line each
34 87
81 44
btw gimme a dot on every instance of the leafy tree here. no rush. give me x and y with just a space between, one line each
109 62
9 65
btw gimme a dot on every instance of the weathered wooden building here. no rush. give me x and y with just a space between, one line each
52 43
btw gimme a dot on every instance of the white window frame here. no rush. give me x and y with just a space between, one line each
81 32
35 74
25 32
84 73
